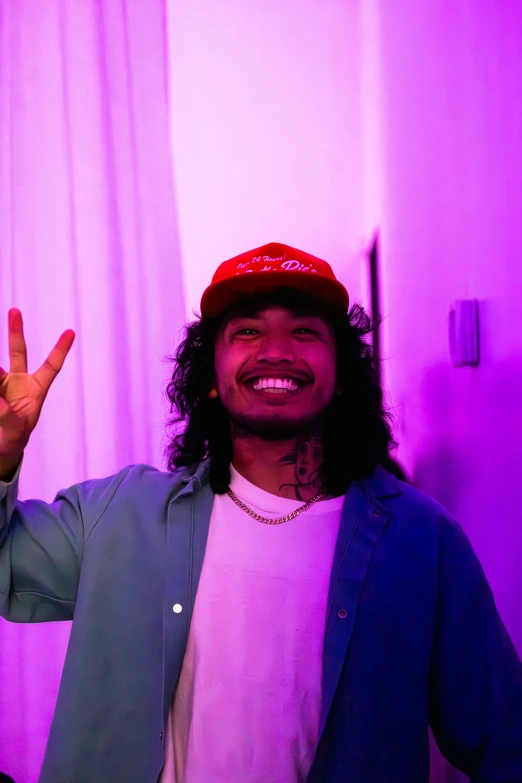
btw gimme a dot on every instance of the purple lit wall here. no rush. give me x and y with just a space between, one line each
452 229
266 131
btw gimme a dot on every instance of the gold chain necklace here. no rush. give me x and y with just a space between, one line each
266 520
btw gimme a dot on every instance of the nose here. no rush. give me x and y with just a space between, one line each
274 348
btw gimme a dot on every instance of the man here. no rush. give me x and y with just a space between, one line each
276 607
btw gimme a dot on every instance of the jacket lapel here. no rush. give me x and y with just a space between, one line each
187 532
363 520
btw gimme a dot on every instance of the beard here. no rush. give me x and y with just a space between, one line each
274 428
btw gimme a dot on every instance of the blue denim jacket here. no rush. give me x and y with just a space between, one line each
413 636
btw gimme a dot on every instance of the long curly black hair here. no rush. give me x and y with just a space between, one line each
357 431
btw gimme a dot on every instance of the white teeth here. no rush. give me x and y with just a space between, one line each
281 384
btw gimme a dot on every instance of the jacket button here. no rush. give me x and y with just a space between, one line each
177 608
342 613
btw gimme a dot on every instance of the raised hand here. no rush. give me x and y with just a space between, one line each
22 395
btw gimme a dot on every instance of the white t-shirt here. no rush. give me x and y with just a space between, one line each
247 705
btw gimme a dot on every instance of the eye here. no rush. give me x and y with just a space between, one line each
305 330
248 331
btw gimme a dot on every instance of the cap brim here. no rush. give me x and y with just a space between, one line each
219 296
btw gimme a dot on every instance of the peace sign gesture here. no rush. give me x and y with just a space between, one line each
22 395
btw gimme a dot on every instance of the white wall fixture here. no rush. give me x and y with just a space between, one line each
464 333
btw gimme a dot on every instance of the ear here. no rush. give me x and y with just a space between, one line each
212 394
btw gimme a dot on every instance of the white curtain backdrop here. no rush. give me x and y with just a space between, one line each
88 240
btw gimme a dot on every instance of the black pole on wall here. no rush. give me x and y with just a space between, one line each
375 304
375 311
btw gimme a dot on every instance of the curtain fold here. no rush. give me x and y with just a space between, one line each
89 241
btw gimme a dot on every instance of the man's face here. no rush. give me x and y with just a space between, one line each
275 370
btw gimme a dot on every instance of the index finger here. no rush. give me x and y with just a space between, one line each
17 346
46 374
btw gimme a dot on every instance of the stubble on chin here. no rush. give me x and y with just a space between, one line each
275 427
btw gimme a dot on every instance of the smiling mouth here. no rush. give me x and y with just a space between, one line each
275 385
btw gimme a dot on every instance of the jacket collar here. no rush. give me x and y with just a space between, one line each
192 478
381 484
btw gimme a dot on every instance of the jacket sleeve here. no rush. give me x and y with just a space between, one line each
476 674
41 548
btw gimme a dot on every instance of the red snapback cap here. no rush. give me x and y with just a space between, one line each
269 267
